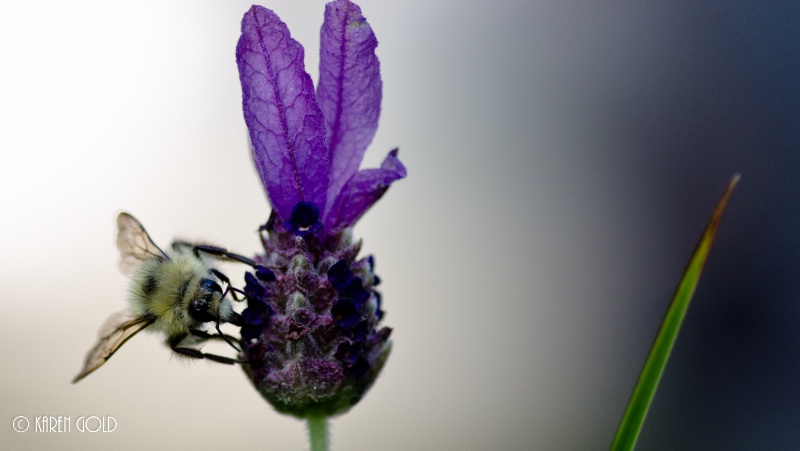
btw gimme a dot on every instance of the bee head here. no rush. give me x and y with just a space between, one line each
204 307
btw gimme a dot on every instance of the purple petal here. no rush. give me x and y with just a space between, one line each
363 190
349 89
286 124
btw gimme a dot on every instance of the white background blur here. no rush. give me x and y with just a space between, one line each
563 158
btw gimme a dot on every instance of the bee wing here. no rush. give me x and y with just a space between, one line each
134 243
117 329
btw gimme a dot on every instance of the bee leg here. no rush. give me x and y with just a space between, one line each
197 354
203 335
236 320
230 288
225 337
222 253
235 290
224 279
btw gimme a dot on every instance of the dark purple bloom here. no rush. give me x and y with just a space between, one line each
340 275
311 333
308 146
266 275
346 313
304 219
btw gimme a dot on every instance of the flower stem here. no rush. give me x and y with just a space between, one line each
318 433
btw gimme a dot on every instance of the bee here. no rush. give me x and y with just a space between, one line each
174 293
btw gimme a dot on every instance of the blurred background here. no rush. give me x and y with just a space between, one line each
563 160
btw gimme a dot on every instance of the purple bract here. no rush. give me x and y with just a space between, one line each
308 146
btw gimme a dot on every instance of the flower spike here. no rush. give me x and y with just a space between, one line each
311 333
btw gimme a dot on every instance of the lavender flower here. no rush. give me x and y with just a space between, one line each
311 332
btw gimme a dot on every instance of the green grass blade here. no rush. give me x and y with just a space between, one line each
646 386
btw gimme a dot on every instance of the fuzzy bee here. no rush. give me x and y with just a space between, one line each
170 292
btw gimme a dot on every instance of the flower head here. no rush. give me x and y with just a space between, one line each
310 332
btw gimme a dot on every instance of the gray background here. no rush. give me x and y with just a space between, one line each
563 159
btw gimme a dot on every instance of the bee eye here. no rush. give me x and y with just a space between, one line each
210 286
198 310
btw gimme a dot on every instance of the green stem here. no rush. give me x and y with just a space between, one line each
318 433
